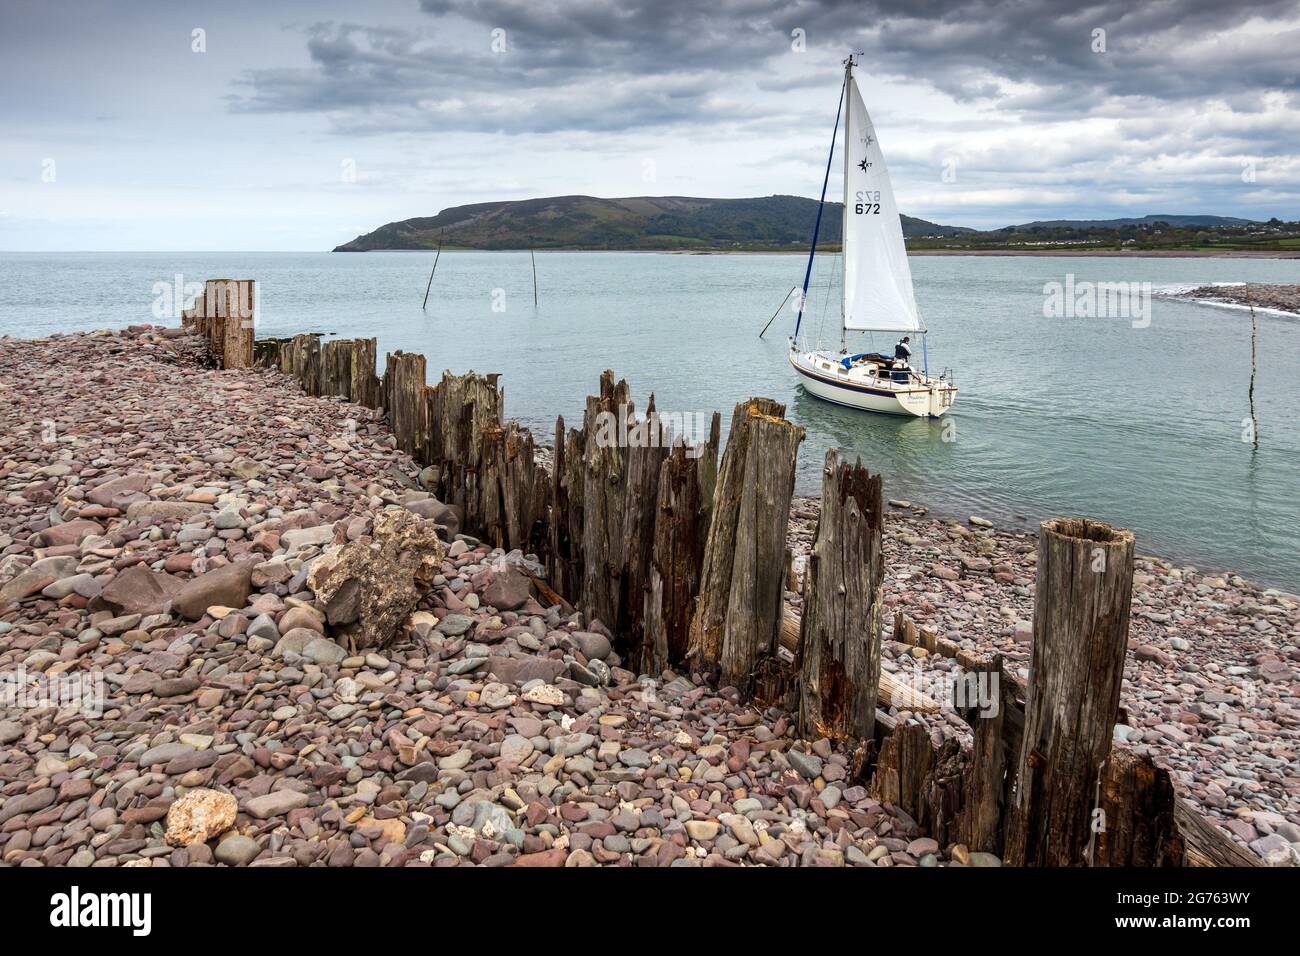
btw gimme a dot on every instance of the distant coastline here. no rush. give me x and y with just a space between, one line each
785 224
1071 252
1120 253
1080 253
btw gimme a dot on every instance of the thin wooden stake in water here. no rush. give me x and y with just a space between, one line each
436 257
778 311
533 259
1254 422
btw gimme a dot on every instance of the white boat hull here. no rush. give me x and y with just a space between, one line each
822 375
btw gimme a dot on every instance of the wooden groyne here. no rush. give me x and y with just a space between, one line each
680 557
223 314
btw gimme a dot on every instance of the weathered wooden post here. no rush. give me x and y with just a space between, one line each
604 481
232 300
681 525
305 361
738 615
266 352
564 554
364 387
224 316
336 367
1148 824
405 401
463 413
843 595
1081 617
988 783
646 450
522 491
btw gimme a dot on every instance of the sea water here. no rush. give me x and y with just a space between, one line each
1140 421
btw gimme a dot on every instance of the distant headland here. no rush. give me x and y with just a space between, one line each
783 224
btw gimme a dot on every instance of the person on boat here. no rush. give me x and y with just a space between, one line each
903 351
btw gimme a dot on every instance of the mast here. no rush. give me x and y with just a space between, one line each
803 298
844 225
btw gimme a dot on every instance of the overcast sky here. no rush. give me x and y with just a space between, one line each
298 125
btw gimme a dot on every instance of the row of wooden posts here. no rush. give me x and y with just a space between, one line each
683 558
223 314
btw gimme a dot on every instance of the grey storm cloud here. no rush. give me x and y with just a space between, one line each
601 65
1164 51
1193 107
381 81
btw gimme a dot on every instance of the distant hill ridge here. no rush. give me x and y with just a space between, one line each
640 222
686 223
1140 221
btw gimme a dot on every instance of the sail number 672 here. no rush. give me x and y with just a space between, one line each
868 202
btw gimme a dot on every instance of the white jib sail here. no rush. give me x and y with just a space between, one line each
877 281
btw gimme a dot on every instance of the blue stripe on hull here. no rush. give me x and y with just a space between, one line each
858 408
901 413
848 386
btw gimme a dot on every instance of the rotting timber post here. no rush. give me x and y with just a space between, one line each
840 639
1081 619
738 617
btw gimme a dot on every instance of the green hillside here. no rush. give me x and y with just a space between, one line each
650 222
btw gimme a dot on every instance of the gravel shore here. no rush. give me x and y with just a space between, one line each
1285 298
245 737
233 732
1211 687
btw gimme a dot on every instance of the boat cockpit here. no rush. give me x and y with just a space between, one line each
879 366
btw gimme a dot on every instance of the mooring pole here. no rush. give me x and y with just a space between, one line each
436 257
533 259
1254 422
778 311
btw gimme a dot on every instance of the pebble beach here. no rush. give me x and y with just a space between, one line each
1280 298
159 529
1211 681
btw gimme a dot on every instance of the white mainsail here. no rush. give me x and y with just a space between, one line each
877 281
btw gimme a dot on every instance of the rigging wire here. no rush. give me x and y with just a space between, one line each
812 251
826 295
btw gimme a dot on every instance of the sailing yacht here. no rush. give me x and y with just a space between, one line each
877 287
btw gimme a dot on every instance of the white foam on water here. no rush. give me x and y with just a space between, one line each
1259 309
1182 288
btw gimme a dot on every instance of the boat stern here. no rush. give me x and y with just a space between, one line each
942 395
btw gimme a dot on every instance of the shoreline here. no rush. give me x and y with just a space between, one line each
108 390
1006 520
1269 298
1207 653
1119 253
1101 253
1023 525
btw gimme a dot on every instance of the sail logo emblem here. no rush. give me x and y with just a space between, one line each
864 165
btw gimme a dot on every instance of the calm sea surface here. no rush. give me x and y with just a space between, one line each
1138 426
